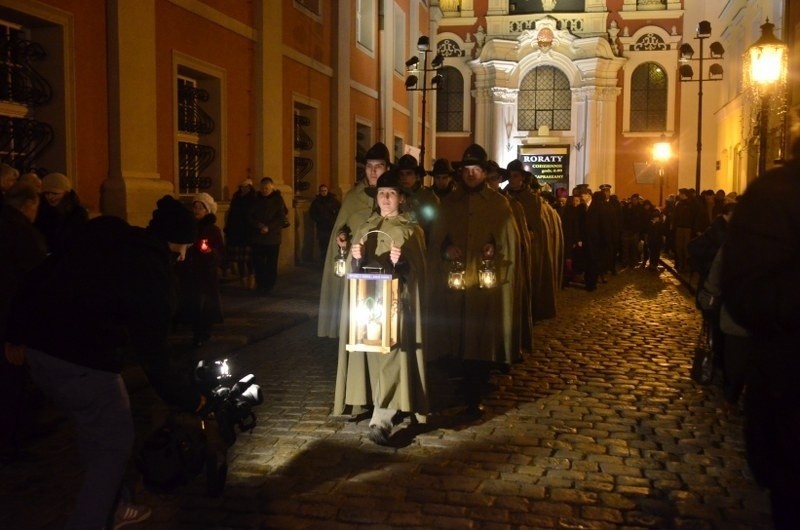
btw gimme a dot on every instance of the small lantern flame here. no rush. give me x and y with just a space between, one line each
340 263
487 276
455 278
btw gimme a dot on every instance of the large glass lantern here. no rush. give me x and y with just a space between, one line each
340 263
456 278
487 277
373 312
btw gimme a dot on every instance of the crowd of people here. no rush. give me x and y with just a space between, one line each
477 258
81 297
505 245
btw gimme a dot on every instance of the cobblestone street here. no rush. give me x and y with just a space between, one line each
599 428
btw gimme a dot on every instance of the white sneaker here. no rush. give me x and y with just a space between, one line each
128 513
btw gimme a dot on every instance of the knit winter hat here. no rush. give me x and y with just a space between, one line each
173 222
206 200
56 182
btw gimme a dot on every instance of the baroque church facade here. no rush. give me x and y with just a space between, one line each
579 91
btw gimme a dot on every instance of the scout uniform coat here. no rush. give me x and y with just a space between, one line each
474 324
356 208
395 380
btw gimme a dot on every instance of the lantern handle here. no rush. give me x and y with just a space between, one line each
364 237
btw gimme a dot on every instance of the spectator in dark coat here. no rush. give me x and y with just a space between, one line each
655 239
22 248
112 288
683 225
268 218
60 214
323 211
238 231
592 239
761 290
200 304
570 226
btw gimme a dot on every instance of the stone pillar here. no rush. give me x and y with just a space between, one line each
134 184
269 106
600 134
504 109
483 116
342 145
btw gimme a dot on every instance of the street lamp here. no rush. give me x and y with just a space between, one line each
765 75
687 76
415 68
662 152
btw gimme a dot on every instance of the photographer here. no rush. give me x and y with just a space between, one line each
111 289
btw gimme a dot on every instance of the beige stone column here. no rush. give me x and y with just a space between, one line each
134 184
270 143
342 151
600 134
500 146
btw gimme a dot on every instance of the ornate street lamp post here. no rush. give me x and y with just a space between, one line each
662 152
687 76
415 69
765 75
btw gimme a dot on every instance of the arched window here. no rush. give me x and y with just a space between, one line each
649 98
545 98
450 101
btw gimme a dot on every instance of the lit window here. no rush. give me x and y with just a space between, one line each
545 98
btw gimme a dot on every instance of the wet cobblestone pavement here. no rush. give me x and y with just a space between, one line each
599 428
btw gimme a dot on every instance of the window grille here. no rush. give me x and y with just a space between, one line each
22 137
193 122
648 98
545 98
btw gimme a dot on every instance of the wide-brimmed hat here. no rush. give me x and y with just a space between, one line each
474 155
378 151
442 166
492 166
389 179
516 165
409 162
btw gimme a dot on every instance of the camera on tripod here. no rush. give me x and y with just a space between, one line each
186 445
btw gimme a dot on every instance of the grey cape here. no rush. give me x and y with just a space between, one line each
356 208
394 380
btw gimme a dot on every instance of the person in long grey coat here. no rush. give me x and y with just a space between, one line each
394 381
356 208
476 326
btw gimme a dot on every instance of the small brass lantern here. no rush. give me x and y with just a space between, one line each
340 263
456 278
487 277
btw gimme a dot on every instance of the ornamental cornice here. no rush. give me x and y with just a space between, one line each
504 95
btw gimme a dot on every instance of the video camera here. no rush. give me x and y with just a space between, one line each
181 448
229 405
